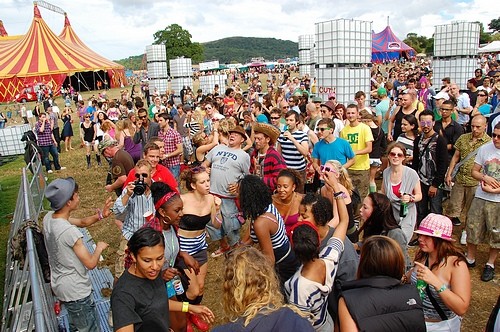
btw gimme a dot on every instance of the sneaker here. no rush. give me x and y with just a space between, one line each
488 273
50 171
62 168
455 221
470 264
463 238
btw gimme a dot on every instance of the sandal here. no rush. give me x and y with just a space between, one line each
220 252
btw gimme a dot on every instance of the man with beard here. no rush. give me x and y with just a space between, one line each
430 161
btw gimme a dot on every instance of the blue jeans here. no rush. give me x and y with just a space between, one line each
176 172
230 224
82 315
45 156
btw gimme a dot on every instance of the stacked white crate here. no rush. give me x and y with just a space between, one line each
306 55
456 47
207 83
156 57
343 52
181 71
10 140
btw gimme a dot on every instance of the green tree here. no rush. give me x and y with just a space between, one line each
420 44
178 43
495 24
483 36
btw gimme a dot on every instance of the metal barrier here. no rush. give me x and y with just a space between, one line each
28 303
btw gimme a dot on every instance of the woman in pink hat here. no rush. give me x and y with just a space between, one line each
445 290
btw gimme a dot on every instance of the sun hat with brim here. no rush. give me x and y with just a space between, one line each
436 225
106 143
59 192
239 130
330 105
269 130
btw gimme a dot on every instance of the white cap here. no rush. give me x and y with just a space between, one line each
442 95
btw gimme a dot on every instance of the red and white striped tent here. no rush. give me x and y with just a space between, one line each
40 56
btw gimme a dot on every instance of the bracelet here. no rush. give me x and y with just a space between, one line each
185 306
99 214
442 289
339 195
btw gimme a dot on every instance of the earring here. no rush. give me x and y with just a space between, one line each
169 220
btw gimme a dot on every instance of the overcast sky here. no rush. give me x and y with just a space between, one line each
117 29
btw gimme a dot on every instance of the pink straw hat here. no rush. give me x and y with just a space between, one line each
436 225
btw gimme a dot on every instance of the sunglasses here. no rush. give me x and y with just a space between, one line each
399 99
426 123
323 129
324 169
87 117
446 109
495 135
142 116
245 105
481 95
141 175
198 169
208 108
275 118
285 106
396 154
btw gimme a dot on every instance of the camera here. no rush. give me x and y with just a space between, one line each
140 187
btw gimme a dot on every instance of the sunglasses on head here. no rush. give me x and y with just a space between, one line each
141 175
198 169
324 169
396 154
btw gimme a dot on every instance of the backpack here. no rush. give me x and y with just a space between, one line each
18 246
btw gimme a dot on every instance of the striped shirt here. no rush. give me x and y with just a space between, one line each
135 209
310 296
293 158
279 238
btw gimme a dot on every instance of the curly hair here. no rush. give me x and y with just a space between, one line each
306 243
189 176
321 208
198 138
227 124
251 286
382 218
291 174
255 196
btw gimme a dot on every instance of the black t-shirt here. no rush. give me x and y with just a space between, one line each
141 302
121 164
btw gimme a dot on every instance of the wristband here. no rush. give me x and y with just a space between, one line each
99 214
185 306
339 195
442 289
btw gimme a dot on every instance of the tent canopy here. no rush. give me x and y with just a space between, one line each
3 32
492 47
386 46
40 56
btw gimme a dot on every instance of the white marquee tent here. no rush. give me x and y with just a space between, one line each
492 47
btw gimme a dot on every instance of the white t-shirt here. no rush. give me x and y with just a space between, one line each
488 157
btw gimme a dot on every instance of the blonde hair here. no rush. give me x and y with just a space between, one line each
251 286
344 178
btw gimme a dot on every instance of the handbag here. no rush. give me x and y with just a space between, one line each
463 161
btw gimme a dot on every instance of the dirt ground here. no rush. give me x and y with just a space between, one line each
92 195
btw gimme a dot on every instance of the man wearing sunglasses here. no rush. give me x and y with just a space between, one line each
483 221
430 161
330 147
447 127
145 128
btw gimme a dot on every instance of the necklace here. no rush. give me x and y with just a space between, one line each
291 200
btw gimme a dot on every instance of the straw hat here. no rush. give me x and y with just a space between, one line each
436 225
269 130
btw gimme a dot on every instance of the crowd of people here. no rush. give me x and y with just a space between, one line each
286 185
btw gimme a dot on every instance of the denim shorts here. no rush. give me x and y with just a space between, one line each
82 315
